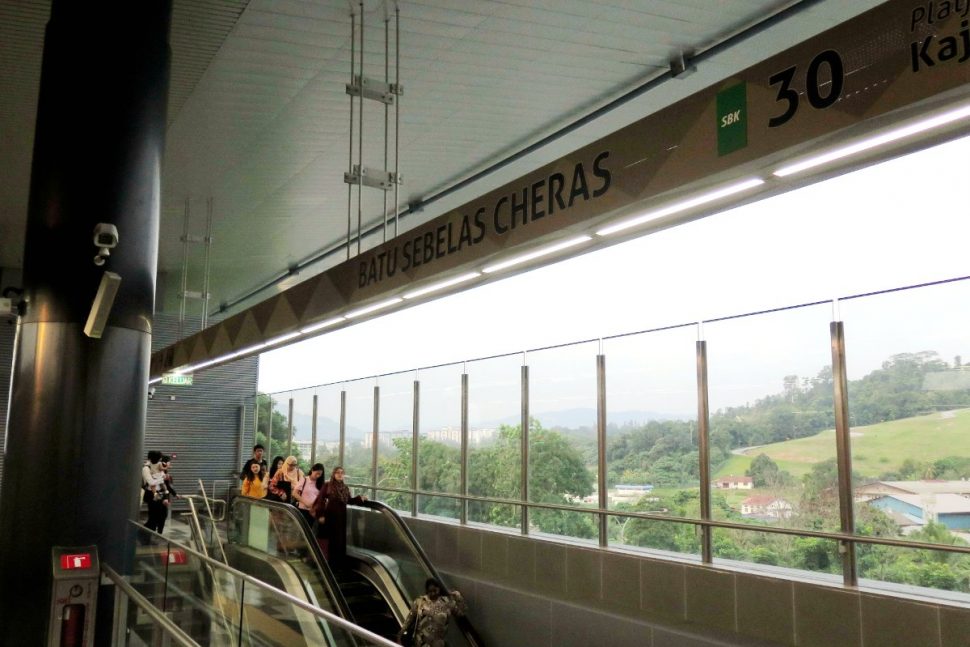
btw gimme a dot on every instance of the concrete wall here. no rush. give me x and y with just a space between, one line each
542 593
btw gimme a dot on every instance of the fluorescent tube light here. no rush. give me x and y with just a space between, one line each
544 251
373 308
190 368
875 141
321 325
683 205
282 338
442 285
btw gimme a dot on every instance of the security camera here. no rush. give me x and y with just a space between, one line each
105 239
151 392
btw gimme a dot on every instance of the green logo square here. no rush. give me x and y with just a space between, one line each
732 119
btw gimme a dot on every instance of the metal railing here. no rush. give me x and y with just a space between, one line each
126 591
233 614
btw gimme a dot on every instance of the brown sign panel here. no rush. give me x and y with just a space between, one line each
888 58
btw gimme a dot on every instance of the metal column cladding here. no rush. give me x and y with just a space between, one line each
77 409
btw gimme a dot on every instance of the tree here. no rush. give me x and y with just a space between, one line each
766 473
557 474
270 417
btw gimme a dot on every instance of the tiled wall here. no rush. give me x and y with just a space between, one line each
536 593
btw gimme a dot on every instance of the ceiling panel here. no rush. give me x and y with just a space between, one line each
259 119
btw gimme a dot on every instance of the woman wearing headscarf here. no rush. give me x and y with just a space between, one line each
427 623
283 485
330 511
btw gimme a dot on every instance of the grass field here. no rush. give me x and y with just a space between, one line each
875 448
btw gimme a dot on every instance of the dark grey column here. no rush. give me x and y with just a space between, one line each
77 411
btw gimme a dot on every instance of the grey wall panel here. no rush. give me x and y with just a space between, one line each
199 424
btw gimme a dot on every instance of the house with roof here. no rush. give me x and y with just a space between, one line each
734 483
951 510
766 507
925 487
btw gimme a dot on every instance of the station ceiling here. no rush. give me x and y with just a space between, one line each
259 120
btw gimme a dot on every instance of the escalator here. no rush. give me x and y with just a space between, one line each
385 567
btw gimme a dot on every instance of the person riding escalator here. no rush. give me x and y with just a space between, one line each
330 513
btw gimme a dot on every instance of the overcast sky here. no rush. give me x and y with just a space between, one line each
898 223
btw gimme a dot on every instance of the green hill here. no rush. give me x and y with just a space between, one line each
875 448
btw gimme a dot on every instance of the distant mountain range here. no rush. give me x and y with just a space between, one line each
329 429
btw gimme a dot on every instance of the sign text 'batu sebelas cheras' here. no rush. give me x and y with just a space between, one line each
900 57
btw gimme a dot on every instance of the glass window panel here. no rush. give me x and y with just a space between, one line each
562 437
394 446
909 412
272 431
671 536
439 439
328 426
915 571
651 423
439 506
778 554
494 441
302 427
772 438
496 514
359 431
581 526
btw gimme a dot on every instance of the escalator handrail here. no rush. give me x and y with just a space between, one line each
349 625
462 621
328 576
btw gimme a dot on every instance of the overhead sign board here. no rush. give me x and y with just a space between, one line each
894 56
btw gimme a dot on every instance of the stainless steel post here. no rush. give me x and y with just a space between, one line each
843 449
205 274
415 421
464 447
703 447
185 268
524 466
289 428
601 447
375 438
360 138
343 426
313 433
350 152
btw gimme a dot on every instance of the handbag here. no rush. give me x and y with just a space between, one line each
407 633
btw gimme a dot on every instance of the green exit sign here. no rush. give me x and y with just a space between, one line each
177 379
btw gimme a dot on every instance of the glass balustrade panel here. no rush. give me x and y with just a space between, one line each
394 448
439 439
562 439
772 428
651 437
909 414
494 441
